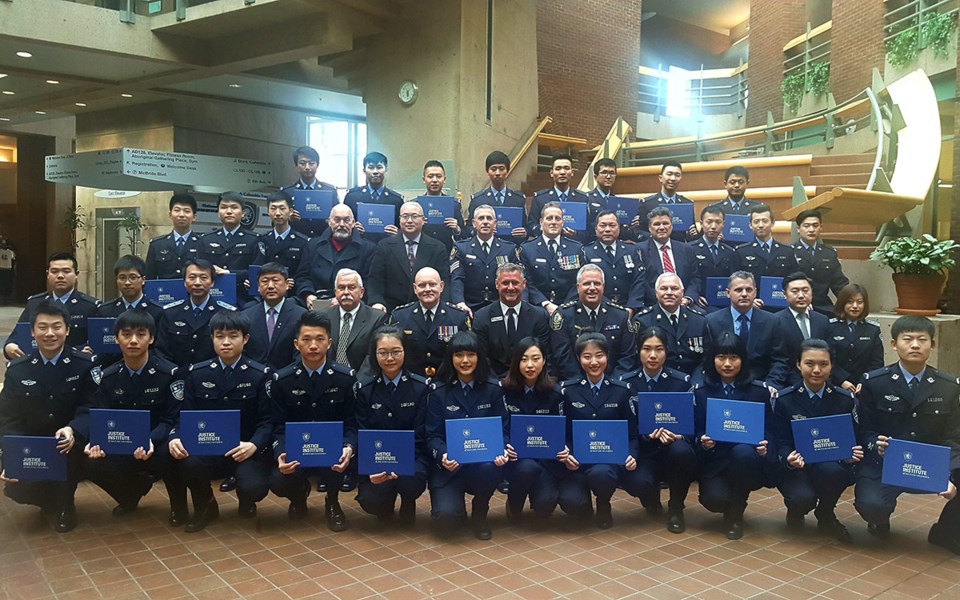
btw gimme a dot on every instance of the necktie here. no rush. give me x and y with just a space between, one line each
610 253
596 393
851 325
391 388
553 247
375 196
914 384
428 319
511 325
180 244
727 390
715 252
673 321
411 256
466 393
813 251
744 328
563 196
486 248
197 312
527 397
766 248
500 198
271 323
802 321
344 337
665 256
228 373
650 383
593 319
226 238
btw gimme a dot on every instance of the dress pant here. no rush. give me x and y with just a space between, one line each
876 501
447 506
817 486
675 463
296 486
531 478
726 489
127 479
253 476
576 487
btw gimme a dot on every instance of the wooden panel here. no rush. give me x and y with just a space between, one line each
857 207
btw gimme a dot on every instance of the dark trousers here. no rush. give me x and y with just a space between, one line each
815 486
726 489
530 478
253 476
447 506
576 486
675 463
296 486
50 495
876 502
380 498
127 479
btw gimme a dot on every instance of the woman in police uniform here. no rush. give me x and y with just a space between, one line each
594 396
530 390
855 340
729 472
394 399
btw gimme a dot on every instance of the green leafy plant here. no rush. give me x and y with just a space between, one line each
133 226
74 220
816 81
921 256
792 91
937 30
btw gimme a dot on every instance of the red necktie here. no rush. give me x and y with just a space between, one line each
667 263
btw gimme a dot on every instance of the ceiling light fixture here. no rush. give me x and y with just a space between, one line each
235 85
53 82
40 112
8 93
4 119
126 95
79 104
2 75
23 54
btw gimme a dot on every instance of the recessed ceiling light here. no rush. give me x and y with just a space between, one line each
22 54
40 112
53 82
80 104
126 95
8 93
4 119
2 75
234 85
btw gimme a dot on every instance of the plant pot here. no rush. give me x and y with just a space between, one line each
918 294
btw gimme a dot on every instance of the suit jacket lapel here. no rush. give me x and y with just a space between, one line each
358 324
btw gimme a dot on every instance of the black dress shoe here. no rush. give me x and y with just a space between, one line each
675 521
795 521
604 515
881 530
66 520
349 483
734 528
228 485
297 510
336 519
247 510
834 528
939 536
321 486
201 517
408 513
654 510
124 509
481 530
177 518
504 487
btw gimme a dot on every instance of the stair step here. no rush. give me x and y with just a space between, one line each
841 169
837 180
840 159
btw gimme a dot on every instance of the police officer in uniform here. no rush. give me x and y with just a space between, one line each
375 192
62 281
41 394
591 311
561 172
714 259
908 400
855 338
818 261
428 324
167 254
551 261
230 381
765 256
281 244
129 271
183 334
306 160
621 262
684 326
313 389
143 381
474 262
498 194
230 249
735 180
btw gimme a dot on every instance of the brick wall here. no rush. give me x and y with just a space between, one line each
856 46
773 23
588 52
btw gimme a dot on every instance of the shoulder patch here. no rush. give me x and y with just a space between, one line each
96 374
556 321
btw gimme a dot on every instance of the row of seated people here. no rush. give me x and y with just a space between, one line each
50 393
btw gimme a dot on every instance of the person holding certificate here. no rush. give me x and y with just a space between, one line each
463 390
662 454
395 399
855 339
729 472
595 397
434 178
498 194
530 390
817 486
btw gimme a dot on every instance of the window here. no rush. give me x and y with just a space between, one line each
341 145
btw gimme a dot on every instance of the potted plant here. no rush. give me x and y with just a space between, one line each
919 270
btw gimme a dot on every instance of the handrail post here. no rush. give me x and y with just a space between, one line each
181 10
127 14
768 135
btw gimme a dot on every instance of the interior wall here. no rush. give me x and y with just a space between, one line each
668 42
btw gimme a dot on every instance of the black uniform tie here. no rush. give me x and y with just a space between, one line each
511 325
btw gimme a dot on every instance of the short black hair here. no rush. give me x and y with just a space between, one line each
813 212
306 151
135 318
200 263
273 268
652 331
591 337
51 309
497 158
382 332
760 208
561 156
464 341
670 163
280 197
603 162
130 262
815 344
660 211
607 213
736 170
727 343
912 324
374 158
796 276
229 320
713 209
433 163
63 256
185 199
230 197
312 318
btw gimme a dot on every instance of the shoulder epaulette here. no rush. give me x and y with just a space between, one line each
619 383
569 304
834 319
18 360
876 373
436 385
174 303
159 237
199 365
696 310
643 311
407 305
617 306
81 355
343 369
675 374
873 322
165 366
225 306
759 384
112 369
418 378
82 296
630 374
839 390
945 376
570 382
35 296
454 307
285 371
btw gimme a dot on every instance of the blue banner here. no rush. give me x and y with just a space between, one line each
209 432
120 432
683 218
23 337
538 436
33 458
390 451
736 228
574 215
824 439
165 291
314 443
735 421
314 204
771 292
916 466
600 442
437 208
100 336
508 218
670 410
374 217
476 440
716 291
626 208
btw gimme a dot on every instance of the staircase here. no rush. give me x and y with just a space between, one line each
840 170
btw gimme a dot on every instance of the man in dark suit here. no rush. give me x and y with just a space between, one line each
561 171
375 192
765 256
498 194
230 249
358 321
551 261
397 258
671 172
339 247
502 324
273 320
757 328
684 325
797 323
474 262
621 262
168 253
306 160
714 259
281 244
661 254
735 180
818 261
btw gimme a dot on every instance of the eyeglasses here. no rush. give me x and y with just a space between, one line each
391 353
129 278
607 174
410 217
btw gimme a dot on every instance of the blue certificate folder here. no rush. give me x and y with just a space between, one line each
100 335
735 421
771 292
225 289
574 215
508 218
33 458
374 217
119 431
23 337
314 444
538 436
682 215
437 208
824 439
716 291
736 228
476 440
672 410
626 208
916 466
387 451
600 442
209 432
314 204
253 276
